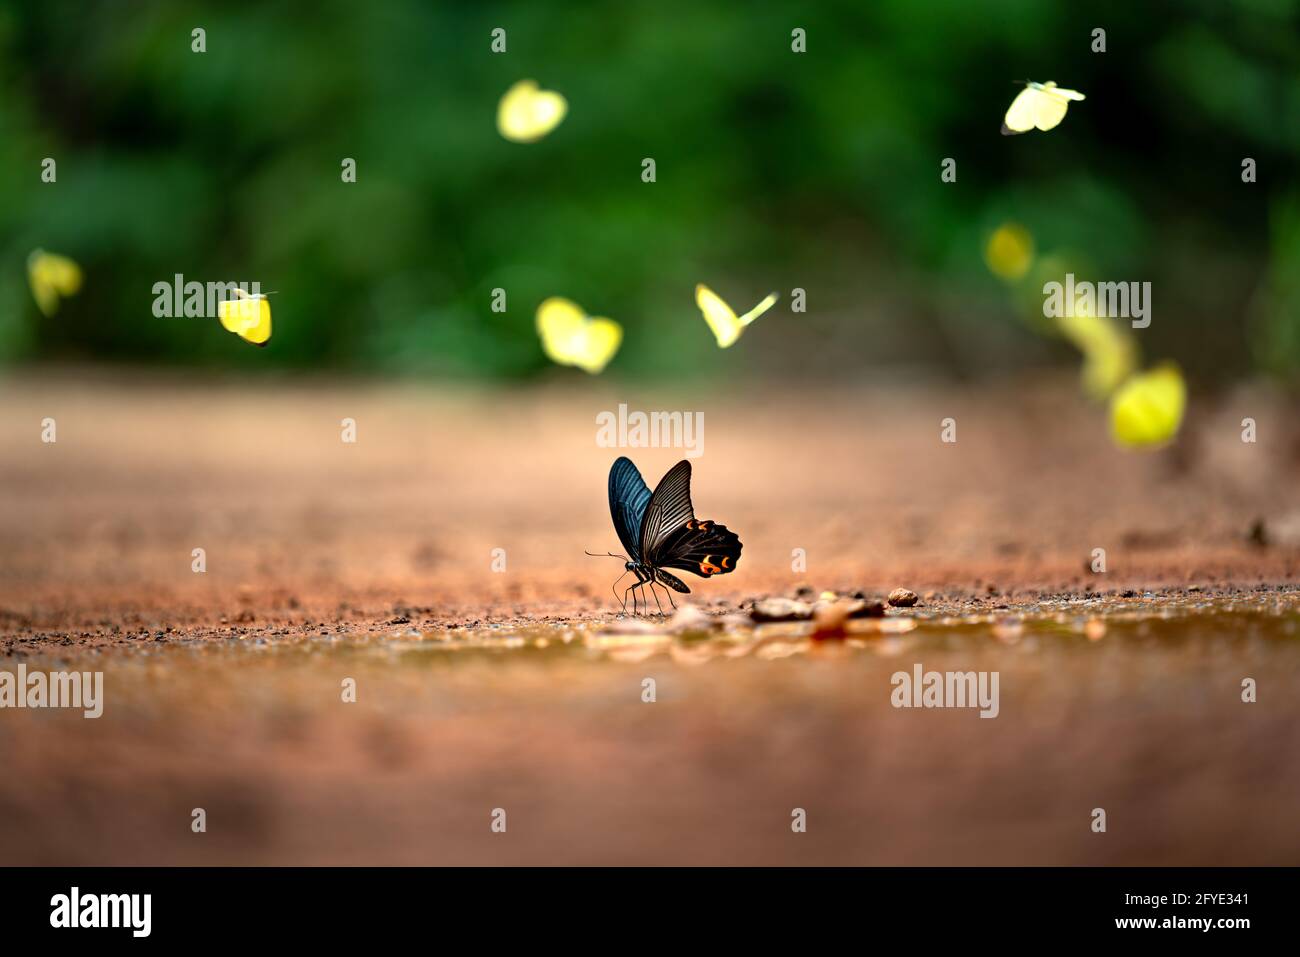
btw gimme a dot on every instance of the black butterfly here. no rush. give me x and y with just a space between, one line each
660 531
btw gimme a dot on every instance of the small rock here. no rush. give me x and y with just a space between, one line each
780 609
902 598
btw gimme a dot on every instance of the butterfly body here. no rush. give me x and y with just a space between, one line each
660 531
645 574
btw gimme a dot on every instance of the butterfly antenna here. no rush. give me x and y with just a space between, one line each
605 555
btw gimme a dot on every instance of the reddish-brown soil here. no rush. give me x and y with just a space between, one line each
316 542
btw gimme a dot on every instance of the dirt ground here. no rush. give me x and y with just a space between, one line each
326 560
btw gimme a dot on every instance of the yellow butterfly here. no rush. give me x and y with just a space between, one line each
1009 251
722 319
526 113
52 278
1148 408
1038 106
572 338
1110 353
247 316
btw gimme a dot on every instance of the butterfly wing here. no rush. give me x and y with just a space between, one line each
247 317
720 317
1021 114
1068 94
758 310
701 547
628 498
600 341
672 537
527 113
1148 409
1038 106
52 278
570 337
669 509
1049 110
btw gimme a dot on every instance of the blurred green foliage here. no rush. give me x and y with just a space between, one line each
775 170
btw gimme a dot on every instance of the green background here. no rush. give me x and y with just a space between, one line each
775 170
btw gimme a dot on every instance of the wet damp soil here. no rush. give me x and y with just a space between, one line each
1131 704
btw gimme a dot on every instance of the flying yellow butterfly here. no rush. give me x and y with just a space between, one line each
1038 106
527 113
722 319
1110 353
572 338
1009 251
52 278
1148 408
247 316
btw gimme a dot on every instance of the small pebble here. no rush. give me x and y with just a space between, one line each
902 598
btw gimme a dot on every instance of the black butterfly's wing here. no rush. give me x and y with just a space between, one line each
669 509
628 498
672 537
701 547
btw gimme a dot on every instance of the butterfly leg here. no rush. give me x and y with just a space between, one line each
655 592
645 580
667 591
640 581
